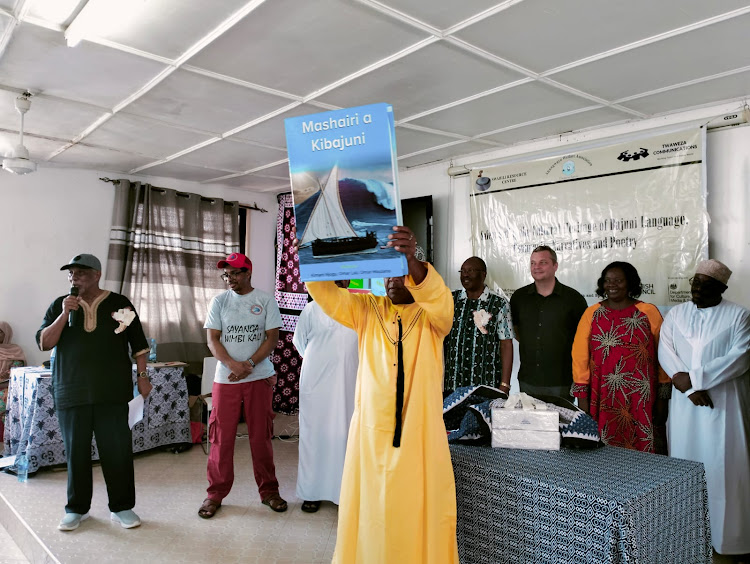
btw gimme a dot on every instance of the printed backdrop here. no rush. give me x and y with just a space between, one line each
642 202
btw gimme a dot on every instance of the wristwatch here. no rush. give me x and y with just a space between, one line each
251 361
144 374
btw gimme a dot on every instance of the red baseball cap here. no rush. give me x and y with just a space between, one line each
237 260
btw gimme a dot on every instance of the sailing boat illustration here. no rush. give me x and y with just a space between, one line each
328 230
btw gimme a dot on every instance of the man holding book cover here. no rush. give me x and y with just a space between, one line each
398 499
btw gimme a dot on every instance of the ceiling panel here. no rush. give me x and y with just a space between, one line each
258 183
441 14
204 103
183 171
137 135
167 27
566 124
279 171
49 117
410 140
271 132
443 154
568 31
60 12
672 61
435 75
38 59
299 47
728 87
5 23
232 155
509 107
96 158
8 4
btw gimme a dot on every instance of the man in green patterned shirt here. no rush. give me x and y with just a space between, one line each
479 348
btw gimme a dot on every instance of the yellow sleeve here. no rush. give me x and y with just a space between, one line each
655 320
580 352
338 303
435 298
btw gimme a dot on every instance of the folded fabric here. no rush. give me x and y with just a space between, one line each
466 413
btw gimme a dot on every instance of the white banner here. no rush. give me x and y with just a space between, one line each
642 202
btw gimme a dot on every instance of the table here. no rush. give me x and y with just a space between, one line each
588 506
31 423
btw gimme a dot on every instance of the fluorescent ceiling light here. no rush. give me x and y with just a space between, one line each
102 18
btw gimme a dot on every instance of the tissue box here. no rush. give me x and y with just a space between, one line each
534 429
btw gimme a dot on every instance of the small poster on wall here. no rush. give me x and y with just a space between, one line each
342 166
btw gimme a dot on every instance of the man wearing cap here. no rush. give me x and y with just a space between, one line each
95 332
705 349
243 330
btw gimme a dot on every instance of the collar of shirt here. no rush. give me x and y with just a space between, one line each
556 290
484 297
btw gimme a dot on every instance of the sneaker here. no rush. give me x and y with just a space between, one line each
71 521
128 519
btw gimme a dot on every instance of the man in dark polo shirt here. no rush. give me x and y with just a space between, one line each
92 384
545 318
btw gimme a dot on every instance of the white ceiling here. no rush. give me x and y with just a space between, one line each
198 89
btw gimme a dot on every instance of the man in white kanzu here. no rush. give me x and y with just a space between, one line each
326 402
243 330
705 349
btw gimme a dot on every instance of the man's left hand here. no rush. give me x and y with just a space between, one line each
403 241
144 387
682 382
701 398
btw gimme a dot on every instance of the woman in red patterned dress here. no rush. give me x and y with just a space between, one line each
616 375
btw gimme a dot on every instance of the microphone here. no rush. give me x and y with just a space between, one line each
72 313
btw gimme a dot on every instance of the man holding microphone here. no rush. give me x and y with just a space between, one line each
95 332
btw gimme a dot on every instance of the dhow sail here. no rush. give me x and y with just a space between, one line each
327 219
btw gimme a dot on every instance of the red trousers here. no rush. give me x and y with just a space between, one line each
228 400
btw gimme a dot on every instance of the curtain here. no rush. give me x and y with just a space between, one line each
291 296
163 250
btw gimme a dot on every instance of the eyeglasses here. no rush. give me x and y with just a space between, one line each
227 275
469 270
701 282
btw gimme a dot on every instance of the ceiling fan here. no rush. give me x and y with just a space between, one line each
18 161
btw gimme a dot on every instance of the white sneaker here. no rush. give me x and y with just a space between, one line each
128 519
71 521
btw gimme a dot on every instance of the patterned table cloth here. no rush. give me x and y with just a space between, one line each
31 423
588 506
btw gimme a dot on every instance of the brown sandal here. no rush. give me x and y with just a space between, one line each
209 508
275 502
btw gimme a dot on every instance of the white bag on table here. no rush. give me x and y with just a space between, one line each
524 422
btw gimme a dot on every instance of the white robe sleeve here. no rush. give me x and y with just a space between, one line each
302 332
735 363
668 357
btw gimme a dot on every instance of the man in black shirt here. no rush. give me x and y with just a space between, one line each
92 384
545 319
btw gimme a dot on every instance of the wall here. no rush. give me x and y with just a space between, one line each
54 214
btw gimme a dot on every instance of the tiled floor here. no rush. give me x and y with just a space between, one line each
169 489
10 553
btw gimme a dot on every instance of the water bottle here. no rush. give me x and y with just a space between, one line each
52 359
22 467
152 352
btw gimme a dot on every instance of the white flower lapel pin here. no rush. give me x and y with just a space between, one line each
124 317
481 319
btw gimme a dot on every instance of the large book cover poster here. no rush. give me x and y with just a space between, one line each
344 176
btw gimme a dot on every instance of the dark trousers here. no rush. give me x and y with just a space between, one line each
109 423
228 403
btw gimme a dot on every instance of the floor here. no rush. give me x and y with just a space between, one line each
170 488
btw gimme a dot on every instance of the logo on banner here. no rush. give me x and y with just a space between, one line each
483 182
634 156
568 168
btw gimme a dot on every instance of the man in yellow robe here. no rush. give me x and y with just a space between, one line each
398 495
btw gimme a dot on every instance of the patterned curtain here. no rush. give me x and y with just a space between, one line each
291 295
163 250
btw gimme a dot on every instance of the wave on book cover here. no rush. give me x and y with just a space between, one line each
383 192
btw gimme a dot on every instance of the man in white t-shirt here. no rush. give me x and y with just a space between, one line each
243 330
